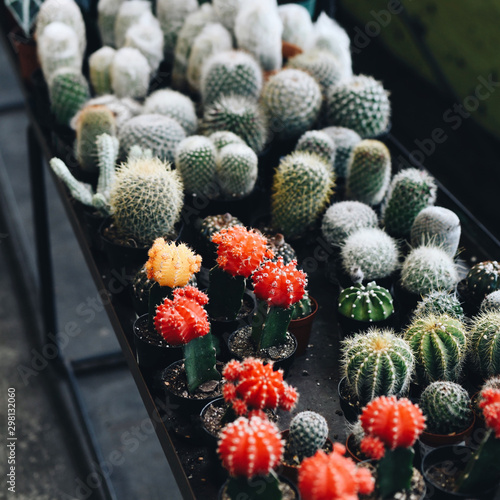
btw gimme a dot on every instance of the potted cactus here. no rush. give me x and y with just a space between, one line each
304 312
481 280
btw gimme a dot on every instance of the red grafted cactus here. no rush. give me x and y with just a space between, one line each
251 385
240 251
278 284
490 404
182 319
333 476
250 447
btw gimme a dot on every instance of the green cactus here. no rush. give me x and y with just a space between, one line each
128 14
68 92
171 103
303 178
280 248
439 344
232 72
370 252
485 343
317 142
344 218
446 406
307 434
361 104
93 121
439 302
483 278
226 12
100 70
344 139
426 269
146 199
159 133
297 24
130 73
236 171
223 138
195 159
292 101
436 226
366 303
376 363
239 115
411 191
491 302
369 172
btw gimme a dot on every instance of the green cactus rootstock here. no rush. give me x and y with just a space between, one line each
483 278
485 343
366 303
303 307
308 432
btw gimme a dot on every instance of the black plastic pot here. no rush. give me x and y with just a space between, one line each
259 483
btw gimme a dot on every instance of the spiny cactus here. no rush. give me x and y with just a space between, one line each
376 363
236 171
446 406
436 226
92 122
292 101
233 72
439 302
439 344
426 269
366 303
369 172
410 191
371 252
483 278
195 159
344 218
130 73
491 302
239 115
297 24
100 69
361 104
305 179
485 343
146 199
317 142
129 13
303 307
68 92
258 30
107 10
159 133
307 434
344 139
223 138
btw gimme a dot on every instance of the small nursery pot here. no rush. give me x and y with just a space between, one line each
350 407
260 482
301 328
353 451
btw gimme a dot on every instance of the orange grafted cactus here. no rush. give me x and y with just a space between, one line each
490 404
250 447
279 285
333 477
240 251
182 319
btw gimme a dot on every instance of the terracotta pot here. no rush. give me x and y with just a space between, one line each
352 451
26 51
290 50
302 327
435 440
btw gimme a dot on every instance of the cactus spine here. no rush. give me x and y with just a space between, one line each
100 70
344 140
485 343
130 73
307 434
439 302
366 303
317 142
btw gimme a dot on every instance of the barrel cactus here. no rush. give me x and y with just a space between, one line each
305 179
130 73
317 142
297 24
440 302
161 134
483 278
369 172
376 363
439 344
100 70
146 199
436 226
485 343
344 139
307 434
232 72
361 104
446 406
344 218
366 303
292 101
411 191
491 302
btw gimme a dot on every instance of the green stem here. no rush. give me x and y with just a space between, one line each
394 471
199 362
275 327
225 294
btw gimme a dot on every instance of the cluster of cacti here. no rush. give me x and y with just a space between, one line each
159 133
344 139
491 302
252 385
344 218
368 172
308 432
376 363
410 191
232 72
292 100
128 14
297 24
446 406
366 303
440 302
439 345
483 278
129 73
100 70
427 269
305 179
146 199
485 343
361 104
319 143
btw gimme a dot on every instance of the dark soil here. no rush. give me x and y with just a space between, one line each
288 493
114 235
444 476
149 335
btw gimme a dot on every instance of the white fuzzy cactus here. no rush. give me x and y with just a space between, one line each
226 12
297 24
107 10
100 69
130 73
129 13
